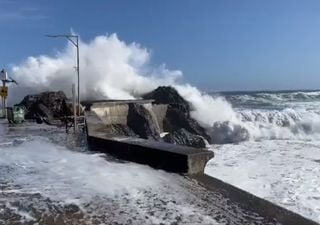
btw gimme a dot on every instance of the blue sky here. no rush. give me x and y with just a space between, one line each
218 44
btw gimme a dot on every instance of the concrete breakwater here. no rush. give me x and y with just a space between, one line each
100 115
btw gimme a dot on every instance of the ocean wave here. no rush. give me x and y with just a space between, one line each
272 98
268 124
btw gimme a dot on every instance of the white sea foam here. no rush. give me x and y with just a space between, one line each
86 173
284 172
127 193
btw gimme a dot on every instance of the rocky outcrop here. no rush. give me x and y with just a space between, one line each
183 137
176 119
142 123
178 112
168 95
47 105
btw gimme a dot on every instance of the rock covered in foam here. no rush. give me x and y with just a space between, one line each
183 137
226 132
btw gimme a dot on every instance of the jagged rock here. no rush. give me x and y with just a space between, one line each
43 111
226 132
50 105
142 123
168 95
183 137
176 119
178 111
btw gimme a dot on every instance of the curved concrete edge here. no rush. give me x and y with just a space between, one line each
169 157
251 202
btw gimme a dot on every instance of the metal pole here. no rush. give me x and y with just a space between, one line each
76 44
4 101
74 107
78 70
3 107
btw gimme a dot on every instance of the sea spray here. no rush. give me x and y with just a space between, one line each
111 68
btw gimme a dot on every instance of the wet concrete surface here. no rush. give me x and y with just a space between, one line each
163 198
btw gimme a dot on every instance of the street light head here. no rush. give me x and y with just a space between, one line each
52 36
61 35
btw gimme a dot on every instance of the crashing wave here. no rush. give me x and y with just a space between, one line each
114 69
274 124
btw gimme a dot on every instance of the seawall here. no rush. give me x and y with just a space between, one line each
180 159
173 158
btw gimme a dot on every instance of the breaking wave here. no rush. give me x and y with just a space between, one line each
272 98
111 68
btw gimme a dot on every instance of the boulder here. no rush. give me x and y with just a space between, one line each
51 105
183 137
176 119
178 111
142 123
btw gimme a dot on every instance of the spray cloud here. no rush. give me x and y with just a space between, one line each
111 68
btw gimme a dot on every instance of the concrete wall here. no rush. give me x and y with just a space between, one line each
161 155
112 113
116 112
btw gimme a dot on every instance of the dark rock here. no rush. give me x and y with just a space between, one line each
142 123
121 129
168 95
38 119
50 105
178 112
176 119
43 111
183 137
226 132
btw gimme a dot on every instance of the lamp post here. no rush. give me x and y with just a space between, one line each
4 90
75 42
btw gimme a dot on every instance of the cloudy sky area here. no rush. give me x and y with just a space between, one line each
219 45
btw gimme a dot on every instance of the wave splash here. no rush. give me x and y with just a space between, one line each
111 68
